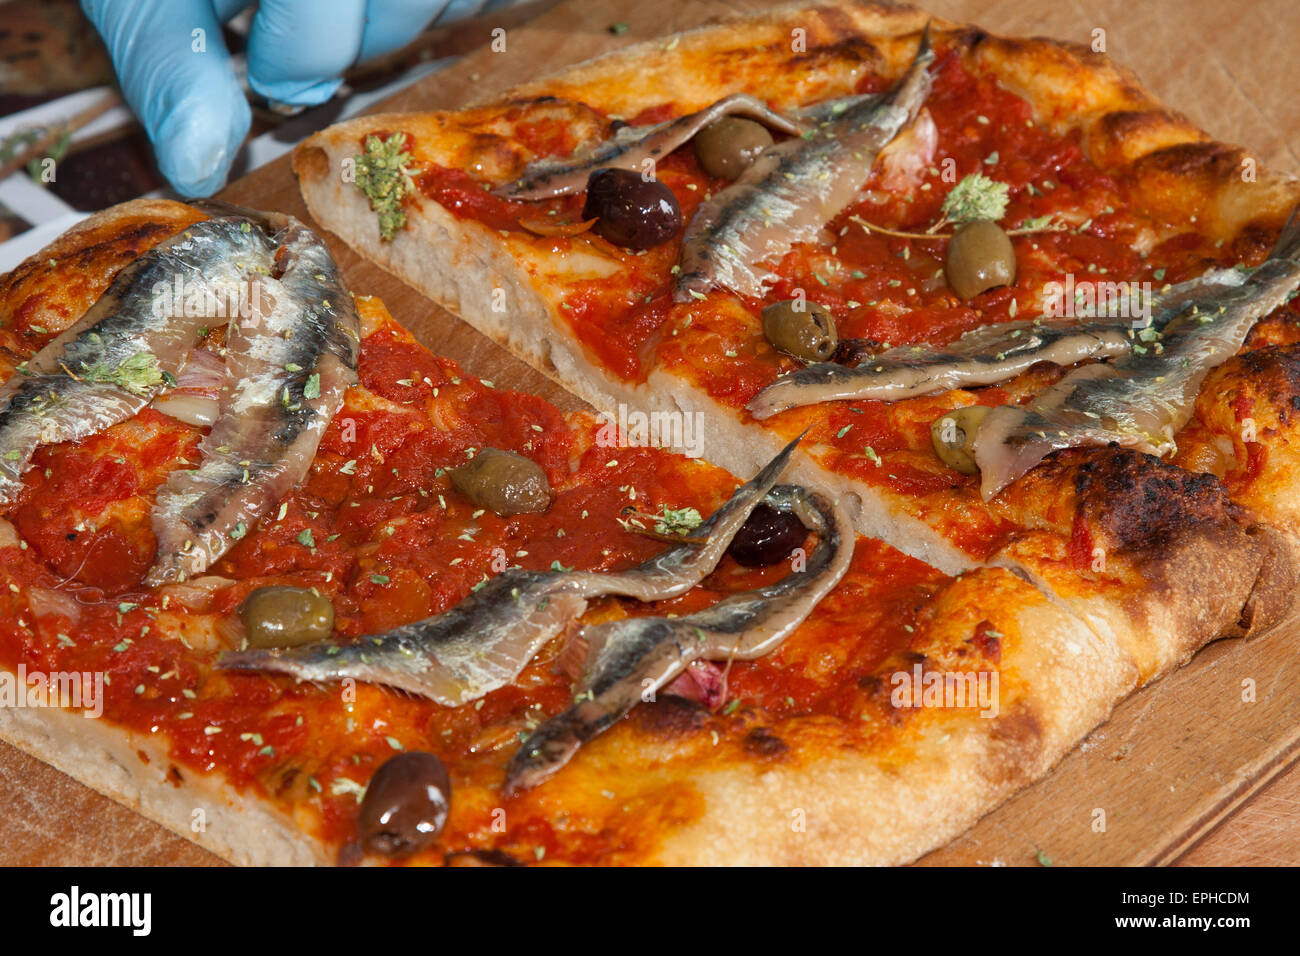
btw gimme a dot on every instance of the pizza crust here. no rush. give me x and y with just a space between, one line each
1169 562
928 782
137 772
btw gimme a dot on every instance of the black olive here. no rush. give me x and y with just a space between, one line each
406 804
503 482
631 211
766 537
805 330
980 257
284 617
728 146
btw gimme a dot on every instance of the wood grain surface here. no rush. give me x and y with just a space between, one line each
1193 770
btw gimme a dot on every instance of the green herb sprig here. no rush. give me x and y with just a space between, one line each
974 198
382 174
139 374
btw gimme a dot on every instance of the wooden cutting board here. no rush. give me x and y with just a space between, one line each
1174 760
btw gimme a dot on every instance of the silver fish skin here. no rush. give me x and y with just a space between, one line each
632 658
816 114
983 356
909 372
630 146
287 368
60 398
1141 399
486 640
793 189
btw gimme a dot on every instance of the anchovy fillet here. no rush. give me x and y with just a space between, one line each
911 371
486 640
818 113
982 356
287 368
287 365
630 146
630 659
1142 398
793 189
112 362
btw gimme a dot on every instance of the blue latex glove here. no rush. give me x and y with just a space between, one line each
181 84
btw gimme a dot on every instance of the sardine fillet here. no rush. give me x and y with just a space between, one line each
115 358
287 368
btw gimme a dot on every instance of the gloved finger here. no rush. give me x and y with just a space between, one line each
298 49
175 72
394 23
228 8
461 9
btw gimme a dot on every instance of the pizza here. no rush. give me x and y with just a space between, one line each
148 688
1022 315
304 592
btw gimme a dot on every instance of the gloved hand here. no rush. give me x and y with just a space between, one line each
177 75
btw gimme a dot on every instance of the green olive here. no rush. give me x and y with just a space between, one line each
980 257
503 482
728 146
953 435
805 330
286 617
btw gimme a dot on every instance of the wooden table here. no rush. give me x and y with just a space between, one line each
1187 772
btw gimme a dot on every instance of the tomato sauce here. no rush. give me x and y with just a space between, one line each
463 196
884 289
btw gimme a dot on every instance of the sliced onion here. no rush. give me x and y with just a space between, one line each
230 630
194 398
196 594
46 603
8 534
703 682
188 407
203 634
204 371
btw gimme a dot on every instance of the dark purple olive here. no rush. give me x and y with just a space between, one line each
405 806
766 537
631 211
